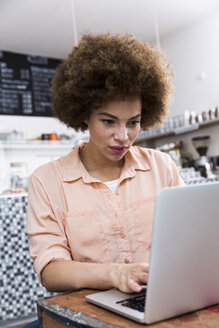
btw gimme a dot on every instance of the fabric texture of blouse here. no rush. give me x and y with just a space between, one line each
74 216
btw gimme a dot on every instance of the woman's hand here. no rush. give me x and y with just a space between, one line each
130 277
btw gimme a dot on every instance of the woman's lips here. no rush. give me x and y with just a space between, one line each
118 149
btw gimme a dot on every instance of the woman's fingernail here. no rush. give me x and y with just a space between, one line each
138 288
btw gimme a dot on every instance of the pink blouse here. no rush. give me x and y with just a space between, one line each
74 216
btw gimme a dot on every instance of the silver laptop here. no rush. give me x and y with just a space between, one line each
184 261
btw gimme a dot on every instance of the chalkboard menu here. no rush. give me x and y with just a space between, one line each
25 82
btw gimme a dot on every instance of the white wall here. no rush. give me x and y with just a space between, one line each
32 127
192 52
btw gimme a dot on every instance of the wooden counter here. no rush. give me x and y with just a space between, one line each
72 310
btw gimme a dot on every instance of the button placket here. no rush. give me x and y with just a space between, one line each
121 237
123 241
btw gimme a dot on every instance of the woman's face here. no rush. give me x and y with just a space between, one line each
113 128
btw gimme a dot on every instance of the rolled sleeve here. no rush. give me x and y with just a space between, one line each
45 228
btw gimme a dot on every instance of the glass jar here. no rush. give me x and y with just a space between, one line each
18 177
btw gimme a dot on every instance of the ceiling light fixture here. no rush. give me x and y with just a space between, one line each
74 25
156 25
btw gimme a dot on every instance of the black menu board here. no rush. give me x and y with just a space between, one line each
25 82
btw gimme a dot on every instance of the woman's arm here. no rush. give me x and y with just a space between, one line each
63 275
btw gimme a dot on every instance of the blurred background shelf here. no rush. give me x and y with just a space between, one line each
37 145
144 135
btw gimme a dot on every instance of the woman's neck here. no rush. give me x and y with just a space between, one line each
100 168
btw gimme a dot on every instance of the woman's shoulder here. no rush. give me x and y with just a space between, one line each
43 169
150 154
161 163
51 168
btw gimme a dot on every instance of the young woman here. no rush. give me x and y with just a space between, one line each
90 213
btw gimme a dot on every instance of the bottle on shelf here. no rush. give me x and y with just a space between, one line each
18 177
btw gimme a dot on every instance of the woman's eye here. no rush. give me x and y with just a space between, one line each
133 123
108 122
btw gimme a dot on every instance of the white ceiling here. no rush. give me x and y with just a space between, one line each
44 27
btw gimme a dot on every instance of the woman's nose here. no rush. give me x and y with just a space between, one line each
121 133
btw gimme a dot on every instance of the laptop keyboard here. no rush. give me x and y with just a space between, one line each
136 302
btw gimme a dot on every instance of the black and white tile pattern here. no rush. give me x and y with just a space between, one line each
19 285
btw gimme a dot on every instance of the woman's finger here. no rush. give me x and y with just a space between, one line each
144 267
143 277
134 286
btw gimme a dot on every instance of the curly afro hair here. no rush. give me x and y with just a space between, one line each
108 67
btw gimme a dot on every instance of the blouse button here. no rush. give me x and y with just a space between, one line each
126 261
122 235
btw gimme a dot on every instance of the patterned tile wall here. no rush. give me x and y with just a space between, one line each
19 285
